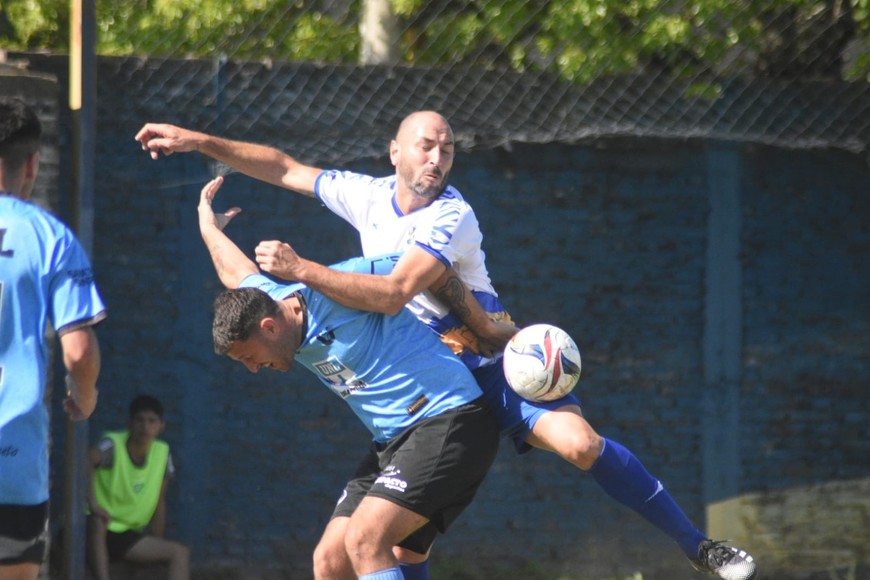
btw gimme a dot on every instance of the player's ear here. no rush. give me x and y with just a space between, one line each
394 152
268 326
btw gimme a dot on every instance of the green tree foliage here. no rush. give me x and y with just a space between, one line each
578 39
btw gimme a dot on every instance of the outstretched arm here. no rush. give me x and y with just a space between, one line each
231 264
258 161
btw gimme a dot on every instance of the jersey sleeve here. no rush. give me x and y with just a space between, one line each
74 298
451 233
347 195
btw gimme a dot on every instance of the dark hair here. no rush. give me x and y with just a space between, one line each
237 313
146 403
20 133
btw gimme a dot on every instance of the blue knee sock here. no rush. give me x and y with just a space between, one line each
389 574
415 571
625 479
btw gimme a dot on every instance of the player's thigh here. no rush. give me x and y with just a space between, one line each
381 522
152 549
567 433
26 571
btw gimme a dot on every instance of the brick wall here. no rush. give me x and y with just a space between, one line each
607 240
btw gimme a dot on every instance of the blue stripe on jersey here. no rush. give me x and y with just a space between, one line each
396 208
445 225
435 253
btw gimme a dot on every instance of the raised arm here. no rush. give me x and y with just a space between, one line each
258 161
230 263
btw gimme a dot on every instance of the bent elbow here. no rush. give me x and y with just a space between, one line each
394 305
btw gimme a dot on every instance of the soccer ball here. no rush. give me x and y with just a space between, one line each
542 363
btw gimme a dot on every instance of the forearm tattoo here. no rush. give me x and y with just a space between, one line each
453 293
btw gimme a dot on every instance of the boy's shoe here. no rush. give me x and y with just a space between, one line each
724 561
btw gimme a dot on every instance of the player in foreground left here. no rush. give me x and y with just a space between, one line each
46 276
434 440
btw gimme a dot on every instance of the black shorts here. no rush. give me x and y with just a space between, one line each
23 533
433 468
119 543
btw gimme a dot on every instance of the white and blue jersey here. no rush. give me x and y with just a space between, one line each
391 370
45 276
449 230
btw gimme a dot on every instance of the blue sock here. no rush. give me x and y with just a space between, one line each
389 574
625 479
415 571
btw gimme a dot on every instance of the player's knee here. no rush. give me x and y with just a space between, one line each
362 543
329 560
582 448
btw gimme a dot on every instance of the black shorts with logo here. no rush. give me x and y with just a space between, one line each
432 468
23 533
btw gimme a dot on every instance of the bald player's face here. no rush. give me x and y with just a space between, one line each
423 154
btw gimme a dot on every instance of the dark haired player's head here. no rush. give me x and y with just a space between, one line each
20 134
237 315
146 403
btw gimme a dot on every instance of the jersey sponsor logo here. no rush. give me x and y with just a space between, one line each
389 479
340 378
8 451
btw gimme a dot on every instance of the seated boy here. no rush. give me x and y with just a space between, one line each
129 473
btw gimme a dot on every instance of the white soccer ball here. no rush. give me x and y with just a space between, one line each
542 363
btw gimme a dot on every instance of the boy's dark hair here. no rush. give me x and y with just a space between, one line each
20 132
237 313
146 403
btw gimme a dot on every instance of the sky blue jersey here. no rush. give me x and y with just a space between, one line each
45 276
391 370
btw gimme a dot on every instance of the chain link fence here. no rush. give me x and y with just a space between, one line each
790 73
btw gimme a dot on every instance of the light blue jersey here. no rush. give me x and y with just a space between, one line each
391 370
45 276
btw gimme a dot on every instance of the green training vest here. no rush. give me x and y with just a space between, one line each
130 493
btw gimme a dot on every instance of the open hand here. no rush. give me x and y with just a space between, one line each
207 216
